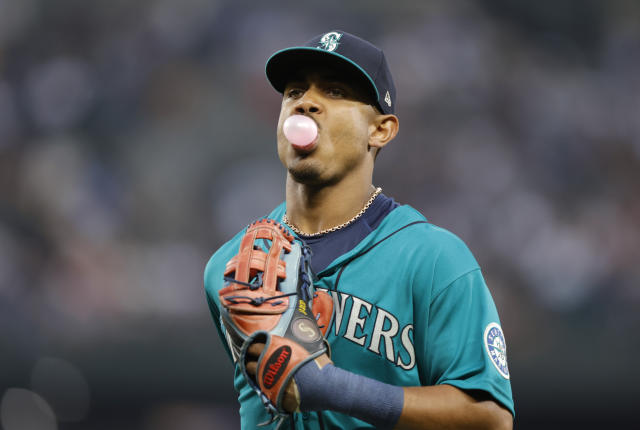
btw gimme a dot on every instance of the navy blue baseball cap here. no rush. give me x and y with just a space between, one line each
347 53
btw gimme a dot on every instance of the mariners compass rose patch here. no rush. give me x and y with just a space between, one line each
496 348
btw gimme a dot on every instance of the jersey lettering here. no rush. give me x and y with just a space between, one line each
408 346
379 332
338 307
356 321
398 344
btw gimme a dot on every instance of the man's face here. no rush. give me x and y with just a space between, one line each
342 111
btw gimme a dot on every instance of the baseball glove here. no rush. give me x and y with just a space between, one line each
268 296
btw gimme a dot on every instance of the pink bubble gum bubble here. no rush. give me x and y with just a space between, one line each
300 130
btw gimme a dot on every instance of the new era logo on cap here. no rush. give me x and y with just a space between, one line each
347 53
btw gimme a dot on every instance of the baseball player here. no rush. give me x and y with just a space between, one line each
415 339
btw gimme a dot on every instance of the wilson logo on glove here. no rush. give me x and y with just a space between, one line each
276 365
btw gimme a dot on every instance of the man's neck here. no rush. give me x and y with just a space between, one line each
316 208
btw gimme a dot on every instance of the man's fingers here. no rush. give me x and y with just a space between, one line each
291 400
255 350
251 367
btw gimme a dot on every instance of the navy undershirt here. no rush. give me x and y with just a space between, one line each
329 246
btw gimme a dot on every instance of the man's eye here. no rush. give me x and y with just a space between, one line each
294 93
336 92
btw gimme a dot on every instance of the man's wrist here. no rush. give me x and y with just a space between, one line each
332 388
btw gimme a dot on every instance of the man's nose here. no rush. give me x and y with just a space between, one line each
308 103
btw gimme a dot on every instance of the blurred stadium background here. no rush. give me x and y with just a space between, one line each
137 136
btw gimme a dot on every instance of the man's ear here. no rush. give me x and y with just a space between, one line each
382 130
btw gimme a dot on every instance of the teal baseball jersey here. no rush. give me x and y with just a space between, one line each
411 309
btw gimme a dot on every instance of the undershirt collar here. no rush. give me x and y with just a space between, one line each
329 246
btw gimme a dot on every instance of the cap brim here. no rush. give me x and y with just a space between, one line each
282 66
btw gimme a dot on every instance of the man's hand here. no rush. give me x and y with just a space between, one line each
291 400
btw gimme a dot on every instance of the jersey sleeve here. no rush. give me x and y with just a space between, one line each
465 340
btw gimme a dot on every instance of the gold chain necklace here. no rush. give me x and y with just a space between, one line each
299 232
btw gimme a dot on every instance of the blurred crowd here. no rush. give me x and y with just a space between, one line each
136 137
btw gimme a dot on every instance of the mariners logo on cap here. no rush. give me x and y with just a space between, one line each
329 42
496 348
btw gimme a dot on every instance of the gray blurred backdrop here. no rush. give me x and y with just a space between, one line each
137 136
